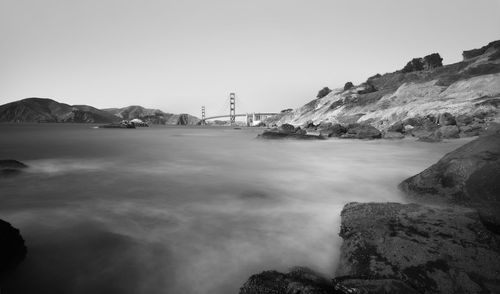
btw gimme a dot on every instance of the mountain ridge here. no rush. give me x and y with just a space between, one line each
46 110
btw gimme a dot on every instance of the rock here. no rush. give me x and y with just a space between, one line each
393 135
348 86
309 125
422 249
367 88
467 176
10 167
12 248
425 129
286 128
297 281
300 131
334 130
446 119
397 127
449 131
429 62
280 135
122 125
362 131
468 54
463 120
475 128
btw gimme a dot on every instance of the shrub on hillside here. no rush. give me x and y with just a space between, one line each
323 92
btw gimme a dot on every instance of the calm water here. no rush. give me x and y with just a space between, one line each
185 210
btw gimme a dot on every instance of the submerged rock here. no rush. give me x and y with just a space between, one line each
10 167
467 176
12 248
423 249
297 281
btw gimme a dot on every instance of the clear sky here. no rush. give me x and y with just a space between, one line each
180 55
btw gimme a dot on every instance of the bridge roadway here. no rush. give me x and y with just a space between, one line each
243 115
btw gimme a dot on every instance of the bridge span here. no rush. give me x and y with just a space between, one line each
252 119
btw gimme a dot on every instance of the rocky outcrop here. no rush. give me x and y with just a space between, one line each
468 176
362 131
467 88
428 62
10 167
469 54
424 249
297 281
12 248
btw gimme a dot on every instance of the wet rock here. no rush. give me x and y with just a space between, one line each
309 125
362 131
397 127
449 131
475 128
12 248
393 135
334 130
297 281
446 119
421 249
286 128
463 120
9 167
467 176
280 135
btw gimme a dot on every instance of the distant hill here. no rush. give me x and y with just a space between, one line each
48 110
423 89
152 116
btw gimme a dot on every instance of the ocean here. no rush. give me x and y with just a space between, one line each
186 209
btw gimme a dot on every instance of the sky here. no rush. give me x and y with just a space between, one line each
180 55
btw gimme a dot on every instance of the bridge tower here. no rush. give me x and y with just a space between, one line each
232 108
203 115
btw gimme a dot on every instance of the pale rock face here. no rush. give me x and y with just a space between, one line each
409 100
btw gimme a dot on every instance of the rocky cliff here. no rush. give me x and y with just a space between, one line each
415 96
152 116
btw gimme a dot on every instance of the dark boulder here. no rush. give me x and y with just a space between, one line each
463 120
367 88
12 248
334 130
417 249
286 128
10 167
446 119
449 132
297 281
309 125
397 127
362 131
280 135
348 86
467 176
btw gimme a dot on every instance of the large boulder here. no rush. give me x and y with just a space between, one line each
297 281
12 248
362 131
467 176
332 130
417 249
9 167
446 119
449 131
286 129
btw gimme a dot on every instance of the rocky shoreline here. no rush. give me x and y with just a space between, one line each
446 242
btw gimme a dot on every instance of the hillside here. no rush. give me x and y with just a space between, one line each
421 92
152 116
48 110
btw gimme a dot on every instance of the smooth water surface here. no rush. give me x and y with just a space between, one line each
185 210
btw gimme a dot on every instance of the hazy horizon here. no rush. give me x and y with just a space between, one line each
180 55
